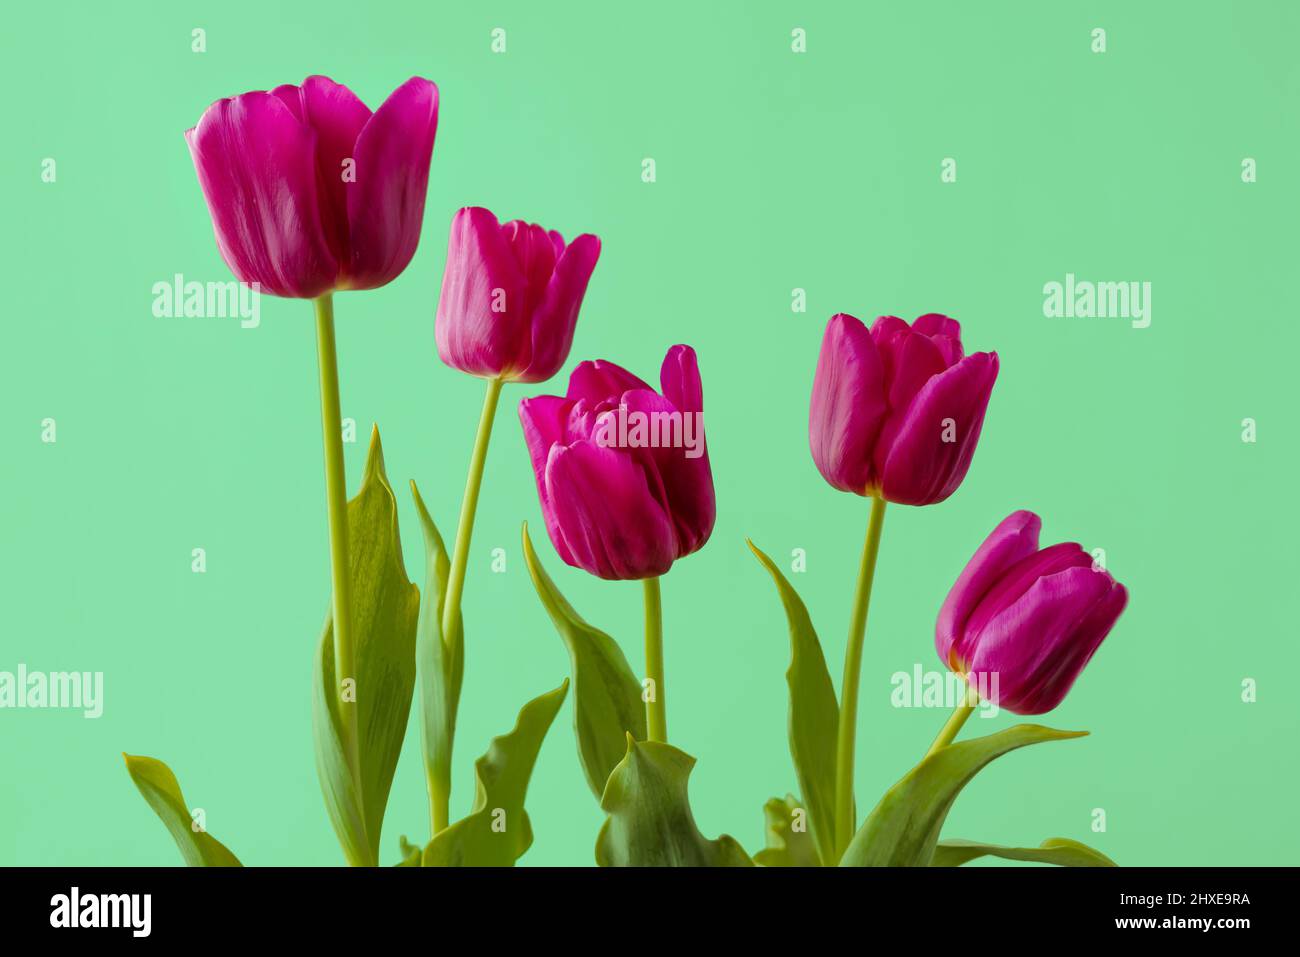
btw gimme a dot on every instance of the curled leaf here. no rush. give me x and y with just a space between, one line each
1060 851
650 822
789 842
903 829
160 788
497 831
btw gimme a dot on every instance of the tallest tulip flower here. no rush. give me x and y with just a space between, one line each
896 413
310 192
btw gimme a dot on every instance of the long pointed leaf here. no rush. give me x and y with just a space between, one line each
903 829
163 792
606 693
385 605
440 659
814 714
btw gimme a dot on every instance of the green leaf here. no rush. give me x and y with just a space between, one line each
814 714
1055 850
163 792
441 658
606 693
497 831
385 606
411 853
786 845
903 829
650 822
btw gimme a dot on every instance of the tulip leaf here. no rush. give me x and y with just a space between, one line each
411 853
789 842
606 692
385 605
650 822
814 714
497 831
903 829
441 659
1055 850
163 792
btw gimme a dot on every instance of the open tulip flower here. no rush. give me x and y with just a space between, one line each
510 296
309 191
613 506
1022 622
897 409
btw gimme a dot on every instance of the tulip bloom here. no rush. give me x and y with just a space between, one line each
897 410
1032 618
619 501
510 296
309 191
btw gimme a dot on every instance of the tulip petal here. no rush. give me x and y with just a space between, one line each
480 321
608 520
944 332
679 469
1015 538
386 203
543 419
1020 577
848 404
936 440
337 116
910 361
256 163
557 314
1037 646
598 380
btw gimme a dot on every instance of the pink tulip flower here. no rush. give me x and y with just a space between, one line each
309 191
897 409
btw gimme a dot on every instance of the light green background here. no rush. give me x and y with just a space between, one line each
775 170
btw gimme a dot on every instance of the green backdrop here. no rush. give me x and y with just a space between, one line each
776 170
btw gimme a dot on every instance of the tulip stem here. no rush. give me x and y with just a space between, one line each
953 724
656 709
845 825
440 791
336 503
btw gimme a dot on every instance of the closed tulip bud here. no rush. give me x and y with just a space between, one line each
510 297
897 409
309 191
622 471
1021 623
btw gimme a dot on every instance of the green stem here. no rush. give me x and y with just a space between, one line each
336 502
656 709
953 725
440 790
845 824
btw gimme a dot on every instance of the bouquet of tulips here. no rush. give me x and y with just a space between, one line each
310 193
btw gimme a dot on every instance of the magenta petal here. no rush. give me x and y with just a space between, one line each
598 380
606 517
1038 646
386 203
543 420
1015 538
480 323
922 466
256 163
936 324
848 404
1019 578
337 116
557 312
679 469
